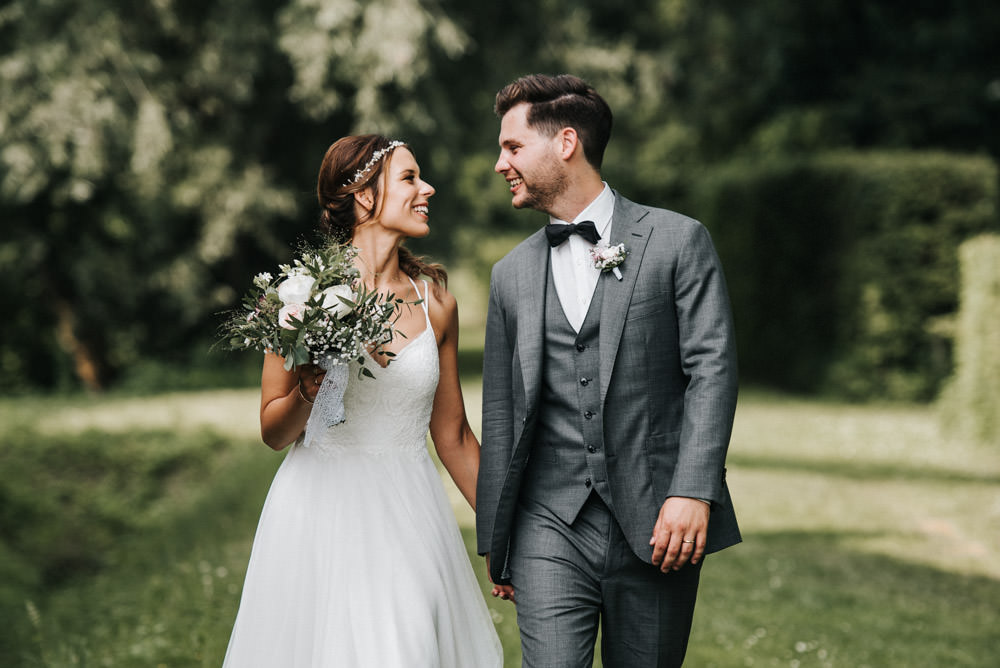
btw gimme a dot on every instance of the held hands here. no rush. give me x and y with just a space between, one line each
680 533
506 592
310 377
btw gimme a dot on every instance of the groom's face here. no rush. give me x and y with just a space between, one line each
529 161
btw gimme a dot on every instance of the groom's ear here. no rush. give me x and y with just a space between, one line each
569 141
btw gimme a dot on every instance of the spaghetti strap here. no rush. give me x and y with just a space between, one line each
423 301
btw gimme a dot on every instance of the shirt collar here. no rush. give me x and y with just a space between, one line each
600 211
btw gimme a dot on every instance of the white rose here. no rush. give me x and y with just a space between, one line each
296 289
289 311
332 303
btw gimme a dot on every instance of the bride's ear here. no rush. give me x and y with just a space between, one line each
366 199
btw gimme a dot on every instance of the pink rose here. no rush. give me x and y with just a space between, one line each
289 311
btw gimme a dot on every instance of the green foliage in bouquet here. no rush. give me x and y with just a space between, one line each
315 308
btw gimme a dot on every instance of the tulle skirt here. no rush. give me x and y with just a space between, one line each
358 562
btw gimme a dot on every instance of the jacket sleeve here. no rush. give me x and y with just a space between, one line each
708 360
498 428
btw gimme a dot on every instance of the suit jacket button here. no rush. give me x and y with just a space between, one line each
580 347
584 381
591 448
588 415
587 482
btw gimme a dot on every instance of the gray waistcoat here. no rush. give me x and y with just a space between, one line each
567 456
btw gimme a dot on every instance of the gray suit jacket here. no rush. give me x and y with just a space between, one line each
667 372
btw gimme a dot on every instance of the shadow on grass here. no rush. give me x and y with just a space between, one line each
860 470
814 600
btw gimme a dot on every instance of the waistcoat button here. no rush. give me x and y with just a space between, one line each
580 347
588 415
591 448
584 381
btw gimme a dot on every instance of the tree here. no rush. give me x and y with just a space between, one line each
152 157
150 152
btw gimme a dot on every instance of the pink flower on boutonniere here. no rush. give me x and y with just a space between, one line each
608 258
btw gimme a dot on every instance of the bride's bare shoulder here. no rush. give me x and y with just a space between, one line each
443 308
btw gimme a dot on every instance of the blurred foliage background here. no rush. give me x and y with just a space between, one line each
153 156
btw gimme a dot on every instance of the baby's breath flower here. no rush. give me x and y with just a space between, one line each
325 326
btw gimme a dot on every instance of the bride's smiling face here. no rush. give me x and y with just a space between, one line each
404 206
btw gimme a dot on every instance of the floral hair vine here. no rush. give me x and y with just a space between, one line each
376 156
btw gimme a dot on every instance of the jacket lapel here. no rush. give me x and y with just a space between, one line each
627 229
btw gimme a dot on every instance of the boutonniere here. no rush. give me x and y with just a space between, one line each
608 258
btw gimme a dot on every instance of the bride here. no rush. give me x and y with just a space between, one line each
358 560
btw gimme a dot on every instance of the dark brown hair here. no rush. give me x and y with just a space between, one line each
335 192
558 102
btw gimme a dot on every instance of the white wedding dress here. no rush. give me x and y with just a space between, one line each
358 561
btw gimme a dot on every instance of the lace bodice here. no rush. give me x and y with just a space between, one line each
391 412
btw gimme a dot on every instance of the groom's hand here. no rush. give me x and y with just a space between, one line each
506 592
680 533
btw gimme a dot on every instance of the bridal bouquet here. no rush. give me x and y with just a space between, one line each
316 310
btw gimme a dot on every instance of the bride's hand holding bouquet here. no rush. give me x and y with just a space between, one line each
317 311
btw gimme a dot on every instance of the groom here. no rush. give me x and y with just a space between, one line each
608 399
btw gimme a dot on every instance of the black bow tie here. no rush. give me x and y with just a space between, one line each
558 233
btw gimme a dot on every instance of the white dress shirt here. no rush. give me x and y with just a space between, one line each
573 269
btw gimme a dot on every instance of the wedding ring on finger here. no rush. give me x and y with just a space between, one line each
687 541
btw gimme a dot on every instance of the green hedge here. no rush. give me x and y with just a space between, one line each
841 264
971 402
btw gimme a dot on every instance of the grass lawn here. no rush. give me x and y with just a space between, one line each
871 538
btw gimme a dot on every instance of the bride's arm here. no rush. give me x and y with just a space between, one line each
456 445
285 400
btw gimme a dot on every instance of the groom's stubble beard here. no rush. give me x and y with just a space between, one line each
543 187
